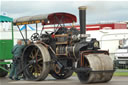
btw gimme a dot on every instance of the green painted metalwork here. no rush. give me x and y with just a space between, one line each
3 69
6 45
5 19
3 63
5 49
12 33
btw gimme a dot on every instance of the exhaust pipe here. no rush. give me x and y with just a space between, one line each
82 17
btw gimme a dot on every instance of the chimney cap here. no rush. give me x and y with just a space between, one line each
82 7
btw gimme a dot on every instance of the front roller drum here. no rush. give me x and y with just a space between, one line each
36 57
101 66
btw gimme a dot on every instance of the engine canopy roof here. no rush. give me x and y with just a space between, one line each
46 19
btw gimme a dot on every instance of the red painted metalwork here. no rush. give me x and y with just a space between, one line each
57 18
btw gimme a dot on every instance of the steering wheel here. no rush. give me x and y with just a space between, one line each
35 37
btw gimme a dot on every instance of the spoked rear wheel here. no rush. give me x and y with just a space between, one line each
34 57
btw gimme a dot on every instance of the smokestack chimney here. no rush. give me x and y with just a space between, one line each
82 17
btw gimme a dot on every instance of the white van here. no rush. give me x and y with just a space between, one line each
121 55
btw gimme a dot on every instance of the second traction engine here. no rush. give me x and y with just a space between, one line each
66 51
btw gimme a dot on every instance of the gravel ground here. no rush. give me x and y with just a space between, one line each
70 81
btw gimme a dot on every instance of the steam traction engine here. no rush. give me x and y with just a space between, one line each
65 51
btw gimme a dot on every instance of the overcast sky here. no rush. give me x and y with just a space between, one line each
97 10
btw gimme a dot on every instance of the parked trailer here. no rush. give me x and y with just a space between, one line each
6 43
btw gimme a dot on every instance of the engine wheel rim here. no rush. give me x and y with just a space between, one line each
38 70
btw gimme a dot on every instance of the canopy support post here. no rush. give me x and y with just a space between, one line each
60 21
42 30
26 32
22 34
36 27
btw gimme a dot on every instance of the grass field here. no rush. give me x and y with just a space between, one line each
121 74
117 73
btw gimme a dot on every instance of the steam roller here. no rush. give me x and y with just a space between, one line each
64 51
